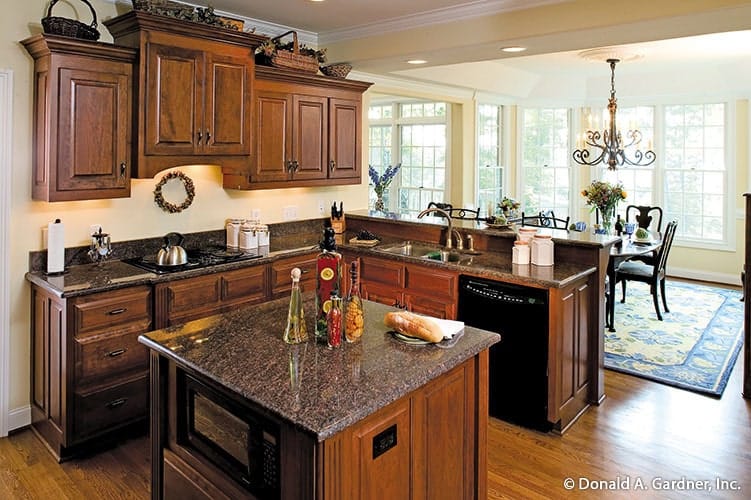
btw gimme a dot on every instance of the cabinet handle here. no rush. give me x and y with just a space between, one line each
117 311
122 169
289 165
115 353
208 136
295 165
332 165
200 136
116 402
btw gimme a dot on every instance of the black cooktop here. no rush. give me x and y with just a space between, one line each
197 259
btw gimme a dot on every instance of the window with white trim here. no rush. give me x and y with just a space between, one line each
490 169
545 160
421 132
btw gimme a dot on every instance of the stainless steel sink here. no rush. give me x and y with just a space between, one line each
430 252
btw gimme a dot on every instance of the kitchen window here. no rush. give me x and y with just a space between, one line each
421 132
490 166
546 160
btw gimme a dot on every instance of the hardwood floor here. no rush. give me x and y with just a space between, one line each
643 430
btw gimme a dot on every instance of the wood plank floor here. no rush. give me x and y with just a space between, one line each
642 430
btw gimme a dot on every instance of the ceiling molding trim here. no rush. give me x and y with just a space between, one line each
438 16
393 84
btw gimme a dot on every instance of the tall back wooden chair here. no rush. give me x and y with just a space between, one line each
545 219
456 213
653 275
644 216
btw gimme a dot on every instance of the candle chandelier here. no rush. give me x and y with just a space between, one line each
608 145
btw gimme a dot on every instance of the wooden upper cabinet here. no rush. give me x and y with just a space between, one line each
195 97
83 116
345 132
308 131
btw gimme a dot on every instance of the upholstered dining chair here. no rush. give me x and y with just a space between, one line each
653 275
545 219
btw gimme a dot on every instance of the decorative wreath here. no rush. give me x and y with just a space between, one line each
190 190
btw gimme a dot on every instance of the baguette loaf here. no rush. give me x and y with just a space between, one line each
411 324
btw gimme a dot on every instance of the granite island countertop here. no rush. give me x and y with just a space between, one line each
318 389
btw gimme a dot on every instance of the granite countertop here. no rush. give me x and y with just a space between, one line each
321 390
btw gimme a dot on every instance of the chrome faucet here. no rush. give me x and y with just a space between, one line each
451 231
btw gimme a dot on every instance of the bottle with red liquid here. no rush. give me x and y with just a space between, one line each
334 322
328 281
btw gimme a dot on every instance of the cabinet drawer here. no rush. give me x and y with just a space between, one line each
194 293
104 356
432 281
281 270
244 284
108 310
382 271
99 411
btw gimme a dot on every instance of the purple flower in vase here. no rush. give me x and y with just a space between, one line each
382 182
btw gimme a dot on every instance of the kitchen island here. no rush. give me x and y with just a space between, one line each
237 412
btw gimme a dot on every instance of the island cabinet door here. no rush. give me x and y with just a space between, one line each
569 354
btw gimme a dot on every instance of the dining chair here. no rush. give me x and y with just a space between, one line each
545 219
644 215
653 275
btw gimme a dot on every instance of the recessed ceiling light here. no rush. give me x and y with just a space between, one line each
416 61
514 48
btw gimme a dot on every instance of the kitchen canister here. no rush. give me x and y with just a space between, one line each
248 240
264 236
233 232
520 253
541 249
527 233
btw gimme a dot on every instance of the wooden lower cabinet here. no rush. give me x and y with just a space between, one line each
89 374
193 298
429 444
569 357
280 279
421 289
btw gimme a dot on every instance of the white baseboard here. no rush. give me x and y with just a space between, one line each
693 274
19 417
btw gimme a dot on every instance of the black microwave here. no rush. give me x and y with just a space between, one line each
240 442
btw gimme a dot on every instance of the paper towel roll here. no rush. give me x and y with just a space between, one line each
55 247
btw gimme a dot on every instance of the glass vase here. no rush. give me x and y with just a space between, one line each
608 214
379 204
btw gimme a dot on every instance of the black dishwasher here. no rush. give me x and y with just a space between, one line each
519 362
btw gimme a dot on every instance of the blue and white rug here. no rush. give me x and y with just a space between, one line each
694 347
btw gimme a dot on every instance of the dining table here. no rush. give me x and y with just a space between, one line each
621 251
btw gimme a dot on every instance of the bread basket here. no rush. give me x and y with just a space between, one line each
55 25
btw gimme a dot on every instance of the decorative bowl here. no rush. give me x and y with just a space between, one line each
339 70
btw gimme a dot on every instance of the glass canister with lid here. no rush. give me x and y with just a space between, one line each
233 232
541 250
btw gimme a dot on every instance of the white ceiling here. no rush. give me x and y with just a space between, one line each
717 61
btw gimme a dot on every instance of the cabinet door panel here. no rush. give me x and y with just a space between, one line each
100 357
344 139
432 281
174 93
429 306
383 294
309 118
103 312
244 285
227 115
193 295
281 271
273 129
388 272
94 129
99 411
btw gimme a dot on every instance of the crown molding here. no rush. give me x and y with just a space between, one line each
462 12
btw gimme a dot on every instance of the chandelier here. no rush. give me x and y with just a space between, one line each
608 144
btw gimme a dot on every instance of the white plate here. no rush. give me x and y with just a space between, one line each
407 339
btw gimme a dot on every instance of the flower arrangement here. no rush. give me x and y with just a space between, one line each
604 196
381 182
509 204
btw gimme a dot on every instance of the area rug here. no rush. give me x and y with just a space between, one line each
694 347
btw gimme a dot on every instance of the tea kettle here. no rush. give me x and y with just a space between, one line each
171 253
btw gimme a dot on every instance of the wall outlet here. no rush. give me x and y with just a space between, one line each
289 212
321 207
255 214
94 228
